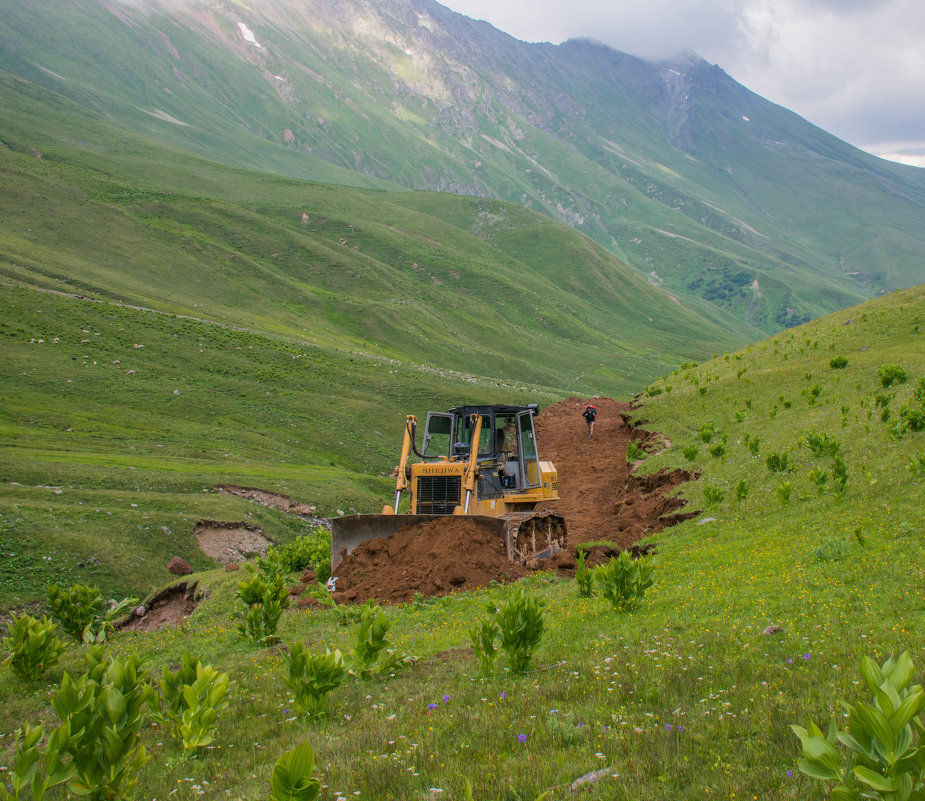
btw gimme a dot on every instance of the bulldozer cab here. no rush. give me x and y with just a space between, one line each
506 451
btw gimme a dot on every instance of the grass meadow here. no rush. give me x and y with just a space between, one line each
687 697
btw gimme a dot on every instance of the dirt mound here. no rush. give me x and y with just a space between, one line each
433 558
169 607
599 497
227 542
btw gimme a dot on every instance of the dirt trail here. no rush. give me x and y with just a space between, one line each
599 497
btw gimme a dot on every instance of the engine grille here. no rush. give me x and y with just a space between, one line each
438 495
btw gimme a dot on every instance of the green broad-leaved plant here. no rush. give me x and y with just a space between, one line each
292 778
584 579
84 614
265 596
483 638
33 646
521 623
191 699
102 713
75 607
370 634
624 580
883 753
32 771
312 677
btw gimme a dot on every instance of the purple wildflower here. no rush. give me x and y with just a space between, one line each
522 738
446 699
667 727
806 656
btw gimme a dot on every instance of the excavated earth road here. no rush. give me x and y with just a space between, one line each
599 497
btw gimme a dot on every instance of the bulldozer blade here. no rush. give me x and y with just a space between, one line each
351 530
525 535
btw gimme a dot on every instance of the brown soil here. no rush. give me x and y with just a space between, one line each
600 499
599 496
228 542
427 558
273 500
169 607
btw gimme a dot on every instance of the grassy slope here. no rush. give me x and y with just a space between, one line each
839 577
686 190
350 307
329 264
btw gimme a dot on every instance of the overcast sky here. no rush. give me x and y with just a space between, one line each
853 67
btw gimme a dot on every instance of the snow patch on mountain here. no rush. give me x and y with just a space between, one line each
248 35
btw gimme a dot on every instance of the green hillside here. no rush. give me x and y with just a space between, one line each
697 183
688 696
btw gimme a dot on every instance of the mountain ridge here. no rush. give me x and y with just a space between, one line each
701 185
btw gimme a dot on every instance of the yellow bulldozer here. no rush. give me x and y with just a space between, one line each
477 461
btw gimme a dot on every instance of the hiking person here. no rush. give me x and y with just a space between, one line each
589 414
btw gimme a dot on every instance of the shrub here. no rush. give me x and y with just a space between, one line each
892 374
883 399
311 678
103 713
33 646
913 417
634 453
584 579
819 477
521 623
265 596
753 445
75 608
839 477
778 462
821 444
308 550
83 612
717 450
712 496
370 633
916 464
919 392
292 778
838 363
483 638
191 699
690 451
624 580
885 753
784 490
706 432
25 773
741 489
